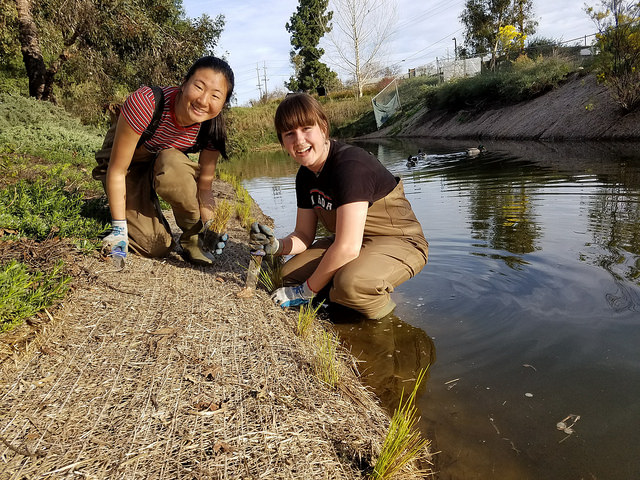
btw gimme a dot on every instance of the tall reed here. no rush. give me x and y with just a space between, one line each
403 443
326 366
306 316
221 216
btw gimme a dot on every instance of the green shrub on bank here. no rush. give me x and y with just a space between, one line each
40 140
32 127
251 127
524 80
43 209
24 293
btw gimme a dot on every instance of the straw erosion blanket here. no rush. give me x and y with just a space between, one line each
160 371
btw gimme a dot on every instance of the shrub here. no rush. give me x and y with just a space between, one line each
23 293
44 208
525 79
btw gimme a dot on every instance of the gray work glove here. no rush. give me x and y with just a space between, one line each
293 296
212 241
262 239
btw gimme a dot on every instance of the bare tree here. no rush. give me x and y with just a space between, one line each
361 30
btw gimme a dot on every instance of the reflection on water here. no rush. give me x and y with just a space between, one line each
391 352
531 297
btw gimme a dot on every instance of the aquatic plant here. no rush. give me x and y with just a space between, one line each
306 316
326 366
403 443
221 216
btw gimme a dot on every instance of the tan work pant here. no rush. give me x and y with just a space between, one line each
169 174
365 283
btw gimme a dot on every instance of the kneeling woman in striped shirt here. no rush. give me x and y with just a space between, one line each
145 155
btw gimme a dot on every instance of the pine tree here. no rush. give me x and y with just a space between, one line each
307 26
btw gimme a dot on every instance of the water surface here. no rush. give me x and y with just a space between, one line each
527 312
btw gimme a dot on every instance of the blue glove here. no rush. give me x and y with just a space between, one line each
212 241
117 242
222 242
293 296
262 238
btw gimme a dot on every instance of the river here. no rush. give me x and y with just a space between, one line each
527 313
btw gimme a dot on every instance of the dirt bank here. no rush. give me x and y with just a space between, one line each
160 371
580 109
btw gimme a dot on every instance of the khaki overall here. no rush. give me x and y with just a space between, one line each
170 174
393 250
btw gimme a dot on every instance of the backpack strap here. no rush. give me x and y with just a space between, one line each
158 96
202 139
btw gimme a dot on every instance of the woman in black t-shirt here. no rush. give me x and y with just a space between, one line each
377 242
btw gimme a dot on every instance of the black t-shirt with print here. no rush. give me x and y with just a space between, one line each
349 175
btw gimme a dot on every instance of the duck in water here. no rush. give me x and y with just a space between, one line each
475 151
412 160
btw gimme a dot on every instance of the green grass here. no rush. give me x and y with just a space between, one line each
326 365
44 209
243 212
24 293
403 443
270 276
306 317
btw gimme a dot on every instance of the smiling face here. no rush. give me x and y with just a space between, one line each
303 130
202 97
307 145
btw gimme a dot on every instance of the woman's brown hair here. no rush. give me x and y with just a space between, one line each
299 110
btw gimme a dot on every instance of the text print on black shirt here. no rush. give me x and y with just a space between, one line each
319 199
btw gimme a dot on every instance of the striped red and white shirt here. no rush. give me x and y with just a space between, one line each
138 111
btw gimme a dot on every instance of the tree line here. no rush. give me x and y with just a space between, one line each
95 51
99 50
358 29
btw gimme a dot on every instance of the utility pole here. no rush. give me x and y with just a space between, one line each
259 83
266 92
455 49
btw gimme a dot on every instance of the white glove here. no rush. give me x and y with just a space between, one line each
117 242
293 296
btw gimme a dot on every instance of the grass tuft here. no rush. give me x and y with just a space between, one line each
306 316
221 216
243 212
326 367
403 443
271 273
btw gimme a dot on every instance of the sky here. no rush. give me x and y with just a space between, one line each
256 43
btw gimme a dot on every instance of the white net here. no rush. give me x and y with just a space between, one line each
386 103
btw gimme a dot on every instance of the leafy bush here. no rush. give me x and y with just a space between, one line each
24 293
32 127
618 40
42 209
525 79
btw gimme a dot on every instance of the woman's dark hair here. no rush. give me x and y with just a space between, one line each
217 128
299 110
